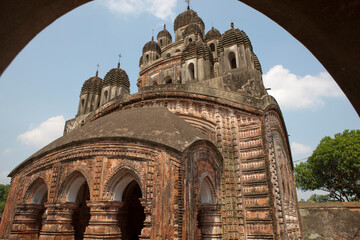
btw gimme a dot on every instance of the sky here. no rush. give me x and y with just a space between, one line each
40 88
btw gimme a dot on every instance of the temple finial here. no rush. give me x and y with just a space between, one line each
232 24
188 4
119 60
164 26
97 71
152 35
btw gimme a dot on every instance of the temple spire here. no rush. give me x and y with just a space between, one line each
119 60
188 4
97 70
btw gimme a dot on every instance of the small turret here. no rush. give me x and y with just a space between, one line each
151 52
116 82
164 37
197 62
90 95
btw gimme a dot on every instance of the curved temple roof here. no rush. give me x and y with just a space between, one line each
157 125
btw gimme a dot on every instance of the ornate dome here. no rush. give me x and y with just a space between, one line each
192 28
152 46
117 77
198 50
164 33
92 85
234 36
213 33
186 18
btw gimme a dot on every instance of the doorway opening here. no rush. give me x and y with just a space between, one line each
132 214
81 214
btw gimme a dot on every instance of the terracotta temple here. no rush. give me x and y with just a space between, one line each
200 152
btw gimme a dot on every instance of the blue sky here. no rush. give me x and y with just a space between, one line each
40 89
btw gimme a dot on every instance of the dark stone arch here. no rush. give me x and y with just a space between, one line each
313 26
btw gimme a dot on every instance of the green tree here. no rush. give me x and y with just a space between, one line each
319 198
4 190
334 167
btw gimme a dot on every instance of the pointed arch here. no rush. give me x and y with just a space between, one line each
37 192
191 70
71 186
232 60
207 193
117 183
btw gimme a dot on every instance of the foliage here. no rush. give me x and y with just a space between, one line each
319 198
334 167
4 190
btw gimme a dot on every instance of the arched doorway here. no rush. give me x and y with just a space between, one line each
81 215
39 196
232 60
78 194
191 70
132 214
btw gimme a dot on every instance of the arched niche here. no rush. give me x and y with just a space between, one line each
116 185
212 47
168 80
70 187
232 60
37 192
206 192
40 195
191 71
121 186
75 186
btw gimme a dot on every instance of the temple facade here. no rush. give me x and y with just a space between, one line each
200 152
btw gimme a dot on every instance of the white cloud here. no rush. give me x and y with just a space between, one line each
4 177
48 131
8 150
296 92
298 148
163 9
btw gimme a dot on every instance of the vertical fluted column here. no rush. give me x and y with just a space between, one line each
146 231
104 223
58 224
210 221
27 222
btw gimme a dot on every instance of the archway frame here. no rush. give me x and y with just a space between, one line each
37 188
71 186
118 181
315 31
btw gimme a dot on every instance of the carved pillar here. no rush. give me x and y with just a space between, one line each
58 224
146 231
104 222
27 222
209 217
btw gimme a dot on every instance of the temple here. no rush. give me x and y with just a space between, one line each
200 152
